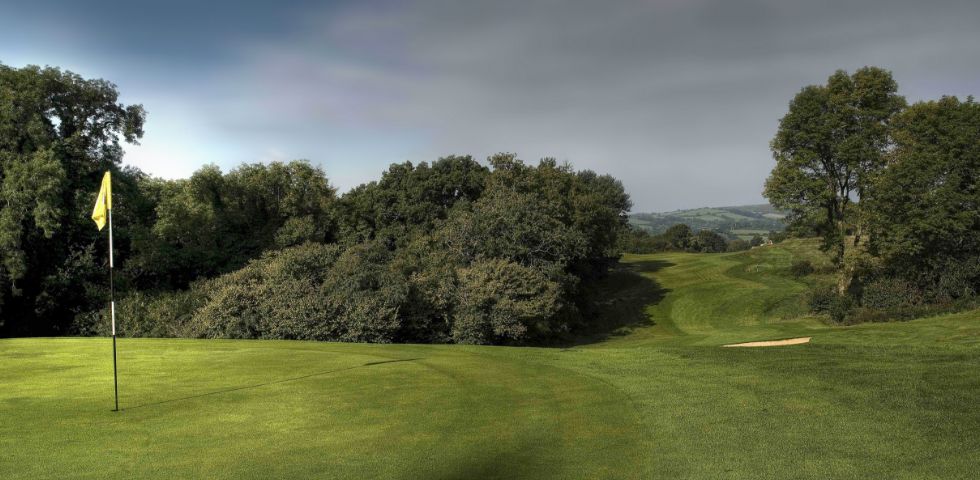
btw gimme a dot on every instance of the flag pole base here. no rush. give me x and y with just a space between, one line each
115 372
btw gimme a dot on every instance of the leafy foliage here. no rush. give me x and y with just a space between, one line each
501 301
738 245
408 201
707 241
58 133
890 292
679 238
213 223
503 256
312 292
828 147
801 268
924 210
853 161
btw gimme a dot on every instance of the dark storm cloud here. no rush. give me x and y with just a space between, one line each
677 98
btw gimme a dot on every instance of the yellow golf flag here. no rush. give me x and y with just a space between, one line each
104 203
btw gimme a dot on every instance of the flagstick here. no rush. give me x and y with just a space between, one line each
112 307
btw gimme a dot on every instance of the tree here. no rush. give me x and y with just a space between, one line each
738 245
707 241
637 240
827 149
58 133
594 205
213 223
678 237
924 208
408 200
514 226
548 219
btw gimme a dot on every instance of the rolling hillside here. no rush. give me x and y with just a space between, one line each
741 221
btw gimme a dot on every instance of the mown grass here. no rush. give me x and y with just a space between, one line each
653 396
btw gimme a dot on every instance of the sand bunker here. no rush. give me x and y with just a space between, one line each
771 343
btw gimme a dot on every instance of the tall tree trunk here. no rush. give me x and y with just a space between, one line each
845 273
845 276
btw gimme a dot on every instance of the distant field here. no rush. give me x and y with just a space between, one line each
747 218
652 395
747 234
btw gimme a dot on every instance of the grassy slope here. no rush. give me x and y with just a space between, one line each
662 400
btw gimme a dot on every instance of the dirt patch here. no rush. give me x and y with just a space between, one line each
771 343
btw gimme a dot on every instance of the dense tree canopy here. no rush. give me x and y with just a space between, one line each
214 222
707 241
853 160
448 252
678 238
58 133
828 147
924 208
408 200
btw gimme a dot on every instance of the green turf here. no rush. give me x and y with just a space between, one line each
656 398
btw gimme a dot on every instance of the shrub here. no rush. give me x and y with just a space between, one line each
276 296
426 315
89 324
738 245
141 314
778 237
503 302
954 279
363 295
825 299
825 269
801 268
890 292
309 292
163 314
840 308
821 298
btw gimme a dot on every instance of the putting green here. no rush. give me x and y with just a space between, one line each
656 398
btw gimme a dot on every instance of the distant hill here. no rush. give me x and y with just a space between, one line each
741 221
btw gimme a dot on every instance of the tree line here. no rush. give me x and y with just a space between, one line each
454 250
682 238
449 251
890 188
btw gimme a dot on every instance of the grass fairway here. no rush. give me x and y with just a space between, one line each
656 398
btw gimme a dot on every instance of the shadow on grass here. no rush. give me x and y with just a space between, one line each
513 464
645 266
621 302
265 384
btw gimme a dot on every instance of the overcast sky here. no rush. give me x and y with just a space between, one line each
677 98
